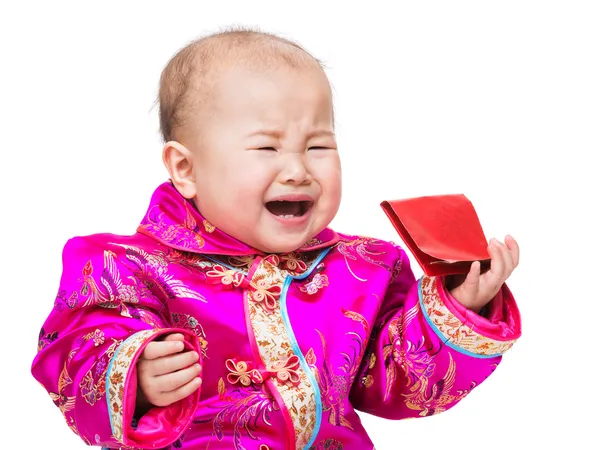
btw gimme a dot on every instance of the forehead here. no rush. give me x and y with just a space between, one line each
278 93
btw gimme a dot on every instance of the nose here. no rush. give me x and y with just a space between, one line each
295 170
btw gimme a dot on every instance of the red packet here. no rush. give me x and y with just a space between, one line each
442 232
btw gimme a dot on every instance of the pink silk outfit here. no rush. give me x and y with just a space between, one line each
291 344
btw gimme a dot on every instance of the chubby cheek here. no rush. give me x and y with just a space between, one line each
330 181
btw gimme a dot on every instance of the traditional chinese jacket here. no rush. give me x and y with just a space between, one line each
291 344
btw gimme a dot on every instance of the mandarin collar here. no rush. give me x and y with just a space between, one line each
174 221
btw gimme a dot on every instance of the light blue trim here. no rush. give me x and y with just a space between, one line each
107 380
286 320
445 339
296 348
313 265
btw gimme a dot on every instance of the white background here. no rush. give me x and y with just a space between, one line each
496 100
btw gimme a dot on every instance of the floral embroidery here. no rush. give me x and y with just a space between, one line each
97 336
398 266
368 380
244 408
93 384
452 328
61 299
45 339
310 357
319 281
242 262
209 227
274 345
110 296
152 269
328 444
186 235
116 376
436 399
188 322
335 385
394 353
62 401
366 249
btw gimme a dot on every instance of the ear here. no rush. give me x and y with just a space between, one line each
179 161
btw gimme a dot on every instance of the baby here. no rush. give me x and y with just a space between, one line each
235 318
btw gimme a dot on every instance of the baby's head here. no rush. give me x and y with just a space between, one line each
247 120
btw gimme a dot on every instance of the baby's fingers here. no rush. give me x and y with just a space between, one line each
180 393
173 363
172 381
174 337
158 349
512 245
497 266
507 257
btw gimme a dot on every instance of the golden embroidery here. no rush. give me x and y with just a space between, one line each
97 336
156 267
118 370
188 322
185 235
276 351
366 249
429 401
93 384
394 353
243 408
452 328
334 385
209 227
242 262
65 403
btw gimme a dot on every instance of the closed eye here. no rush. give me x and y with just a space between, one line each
271 149
321 148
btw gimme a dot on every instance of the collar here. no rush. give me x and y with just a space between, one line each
174 221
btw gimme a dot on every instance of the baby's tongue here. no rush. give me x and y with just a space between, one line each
285 208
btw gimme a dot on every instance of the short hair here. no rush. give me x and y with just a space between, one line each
194 68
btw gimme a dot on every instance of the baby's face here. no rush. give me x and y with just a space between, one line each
266 162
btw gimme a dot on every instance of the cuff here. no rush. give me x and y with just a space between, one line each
160 426
466 331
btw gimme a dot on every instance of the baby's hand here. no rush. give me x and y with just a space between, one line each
476 289
165 375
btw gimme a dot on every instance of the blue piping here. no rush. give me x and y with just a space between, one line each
445 339
296 348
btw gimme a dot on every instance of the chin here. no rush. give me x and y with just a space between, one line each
283 247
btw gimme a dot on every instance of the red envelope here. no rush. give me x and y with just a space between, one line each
442 232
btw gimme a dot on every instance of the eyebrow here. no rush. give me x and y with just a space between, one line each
278 133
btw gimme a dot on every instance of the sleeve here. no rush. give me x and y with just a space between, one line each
427 351
104 315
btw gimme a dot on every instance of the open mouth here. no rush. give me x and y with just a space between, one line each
288 210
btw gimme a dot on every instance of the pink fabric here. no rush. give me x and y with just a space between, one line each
159 426
501 321
367 336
